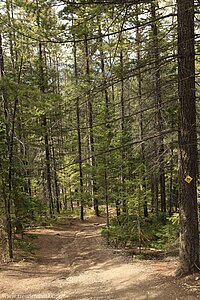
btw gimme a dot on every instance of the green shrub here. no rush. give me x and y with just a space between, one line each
168 234
140 232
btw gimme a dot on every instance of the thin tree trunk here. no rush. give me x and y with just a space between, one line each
159 118
106 120
140 117
11 34
48 167
123 155
7 195
80 159
55 179
171 180
46 136
91 135
79 140
42 86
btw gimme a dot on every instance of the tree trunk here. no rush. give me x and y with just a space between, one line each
142 186
48 167
158 117
80 158
189 236
7 195
91 135
56 184
123 133
106 120
79 140
42 87
171 180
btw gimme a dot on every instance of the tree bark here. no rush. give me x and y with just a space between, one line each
91 135
158 116
56 184
7 195
189 236
48 167
79 140
142 186
106 120
123 132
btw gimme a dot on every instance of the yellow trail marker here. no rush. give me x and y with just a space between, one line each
188 178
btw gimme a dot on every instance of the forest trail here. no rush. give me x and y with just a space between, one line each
72 262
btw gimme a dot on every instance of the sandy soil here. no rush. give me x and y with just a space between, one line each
72 262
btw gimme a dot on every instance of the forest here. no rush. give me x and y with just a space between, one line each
100 115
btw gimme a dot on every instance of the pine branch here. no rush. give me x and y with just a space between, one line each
111 2
147 138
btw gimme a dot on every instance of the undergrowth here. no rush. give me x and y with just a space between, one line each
25 245
133 231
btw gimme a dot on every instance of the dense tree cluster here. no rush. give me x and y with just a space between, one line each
98 108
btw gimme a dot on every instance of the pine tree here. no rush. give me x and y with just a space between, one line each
189 235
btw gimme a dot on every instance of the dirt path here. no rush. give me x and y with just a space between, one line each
73 263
